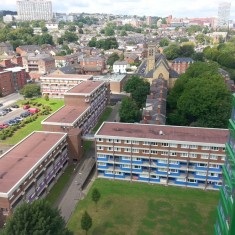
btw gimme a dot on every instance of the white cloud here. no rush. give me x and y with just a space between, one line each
177 8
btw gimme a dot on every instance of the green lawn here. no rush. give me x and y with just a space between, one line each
36 125
142 209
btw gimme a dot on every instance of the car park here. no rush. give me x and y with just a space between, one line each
11 122
7 110
25 114
1 104
26 106
19 118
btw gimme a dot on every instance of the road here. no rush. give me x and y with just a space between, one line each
14 113
10 99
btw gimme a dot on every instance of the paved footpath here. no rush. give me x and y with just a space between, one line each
74 193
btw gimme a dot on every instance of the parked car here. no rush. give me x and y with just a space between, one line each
7 110
1 104
33 110
11 122
15 106
26 106
26 114
4 125
19 118
3 113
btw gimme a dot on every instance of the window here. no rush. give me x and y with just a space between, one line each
164 153
193 155
192 181
101 156
165 144
118 173
222 158
126 166
193 146
201 173
202 165
127 141
215 148
154 151
154 143
135 150
127 150
110 149
184 154
109 141
99 140
162 169
204 156
145 151
136 167
100 147
173 171
117 149
213 166
205 147
213 174
181 179
213 157
146 143
109 172
173 145
136 159
174 162
184 146
173 154
117 141
126 158
162 161
101 164
135 142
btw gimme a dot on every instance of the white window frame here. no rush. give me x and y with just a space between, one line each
109 149
173 154
116 149
173 145
127 141
201 173
100 147
206 147
165 144
183 154
101 163
184 146
204 156
117 141
126 158
135 142
126 166
134 150
215 148
162 161
213 157
164 153
100 140
193 155
127 150
193 146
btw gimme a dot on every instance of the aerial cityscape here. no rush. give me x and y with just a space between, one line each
117 117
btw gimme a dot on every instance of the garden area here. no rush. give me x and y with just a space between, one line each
13 134
143 209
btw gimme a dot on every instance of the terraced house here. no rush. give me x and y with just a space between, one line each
169 155
225 224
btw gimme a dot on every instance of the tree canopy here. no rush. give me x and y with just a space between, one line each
37 218
30 90
112 58
139 90
129 111
106 44
200 98
86 221
95 196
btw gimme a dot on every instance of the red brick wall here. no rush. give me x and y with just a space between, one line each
6 86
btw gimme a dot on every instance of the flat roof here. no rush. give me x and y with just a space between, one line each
14 69
66 115
17 162
68 76
163 132
110 78
85 88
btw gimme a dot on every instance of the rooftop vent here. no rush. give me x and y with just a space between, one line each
161 132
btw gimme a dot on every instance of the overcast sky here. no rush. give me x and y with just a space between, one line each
177 8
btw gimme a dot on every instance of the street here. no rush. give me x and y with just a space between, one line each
14 113
10 99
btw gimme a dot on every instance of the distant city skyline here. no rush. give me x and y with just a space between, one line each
162 8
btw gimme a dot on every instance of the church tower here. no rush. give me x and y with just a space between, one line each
151 57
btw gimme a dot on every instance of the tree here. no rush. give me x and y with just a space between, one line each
30 90
172 51
112 58
186 49
45 39
139 90
129 112
44 29
72 28
46 97
200 98
108 31
164 42
95 196
37 218
86 222
123 33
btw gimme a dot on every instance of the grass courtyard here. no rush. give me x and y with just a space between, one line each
142 209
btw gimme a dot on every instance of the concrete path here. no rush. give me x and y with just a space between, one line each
73 193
